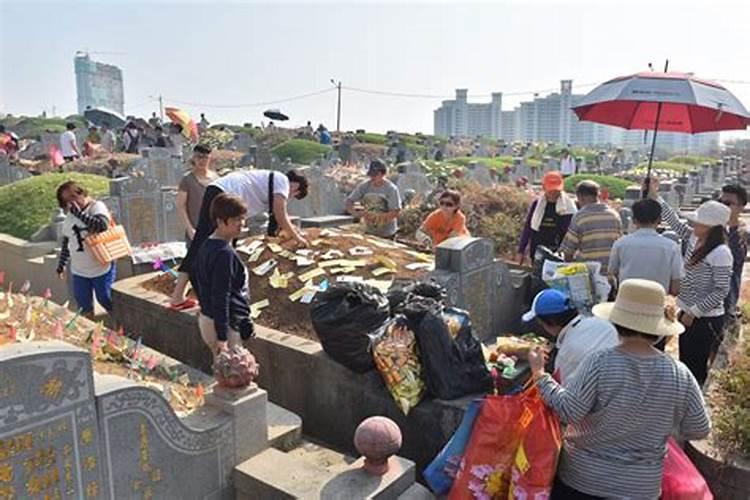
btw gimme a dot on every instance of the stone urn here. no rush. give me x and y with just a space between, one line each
377 438
235 368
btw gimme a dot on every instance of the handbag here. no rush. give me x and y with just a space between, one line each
109 245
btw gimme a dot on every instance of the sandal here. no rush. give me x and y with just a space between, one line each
186 304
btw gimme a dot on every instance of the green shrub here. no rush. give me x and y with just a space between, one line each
691 160
33 127
496 163
679 168
731 402
615 185
26 205
372 138
300 150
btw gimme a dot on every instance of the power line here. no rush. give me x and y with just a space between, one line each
254 104
475 96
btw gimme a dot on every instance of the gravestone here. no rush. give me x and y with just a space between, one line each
632 194
669 193
263 158
522 169
467 269
49 437
170 225
11 173
162 165
479 173
413 177
695 183
323 196
706 178
140 207
717 174
242 141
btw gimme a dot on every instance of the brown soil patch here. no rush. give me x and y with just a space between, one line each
294 317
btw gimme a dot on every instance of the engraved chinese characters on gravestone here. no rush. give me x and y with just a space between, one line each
140 206
49 440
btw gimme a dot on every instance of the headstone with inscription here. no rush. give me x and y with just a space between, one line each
162 165
466 268
140 207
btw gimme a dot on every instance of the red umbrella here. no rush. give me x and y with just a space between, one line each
671 102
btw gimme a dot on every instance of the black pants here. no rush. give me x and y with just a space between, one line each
699 342
561 491
203 230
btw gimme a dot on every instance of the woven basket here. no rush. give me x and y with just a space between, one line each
109 245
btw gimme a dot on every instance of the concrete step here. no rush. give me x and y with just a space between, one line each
274 474
284 428
417 492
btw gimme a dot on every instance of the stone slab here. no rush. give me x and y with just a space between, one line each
275 475
326 221
417 492
284 428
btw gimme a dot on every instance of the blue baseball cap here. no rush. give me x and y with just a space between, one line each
548 302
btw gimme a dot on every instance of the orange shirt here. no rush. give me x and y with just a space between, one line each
440 228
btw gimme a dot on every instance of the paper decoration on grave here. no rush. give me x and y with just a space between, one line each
275 247
420 256
332 254
303 261
360 251
381 285
343 270
278 280
161 266
349 279
294 297
415 266
255 309
265 268
251 247
382 270
256 255
311 274
386 262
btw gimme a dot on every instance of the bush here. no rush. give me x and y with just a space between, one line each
615 185
676 167
33 127
300 150
731 402
497 163
691 160
26 205
372 138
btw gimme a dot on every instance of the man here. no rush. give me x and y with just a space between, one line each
109 141
593 230
203 124
548 218
645 254
575 336
154 121
68 143
567 164
161 140
380 199
261 191
735 197
131 138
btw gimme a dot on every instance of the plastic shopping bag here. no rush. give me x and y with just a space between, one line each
512 452
442 470
681 480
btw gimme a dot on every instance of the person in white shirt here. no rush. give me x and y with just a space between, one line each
262 191
109 141
68 143
567 164
576 336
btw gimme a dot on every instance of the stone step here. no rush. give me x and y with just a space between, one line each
274 474
417 492
284 428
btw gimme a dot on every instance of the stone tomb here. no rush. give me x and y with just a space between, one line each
474 281
66 432
323 196
11 173
411 176
158 163
479 173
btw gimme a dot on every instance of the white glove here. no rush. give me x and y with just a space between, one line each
423 238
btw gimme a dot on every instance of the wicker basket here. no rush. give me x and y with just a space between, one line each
109 245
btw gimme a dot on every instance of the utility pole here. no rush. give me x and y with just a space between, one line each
161 108
338 107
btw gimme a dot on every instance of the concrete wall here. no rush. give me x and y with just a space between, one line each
298 375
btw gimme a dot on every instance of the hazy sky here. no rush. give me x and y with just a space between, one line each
234 53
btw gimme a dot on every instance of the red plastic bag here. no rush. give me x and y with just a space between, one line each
512 452
681 480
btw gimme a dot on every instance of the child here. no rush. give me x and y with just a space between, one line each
220 279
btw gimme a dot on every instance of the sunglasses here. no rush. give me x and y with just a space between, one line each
447 204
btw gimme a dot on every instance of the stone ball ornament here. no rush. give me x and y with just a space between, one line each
235 368
377 438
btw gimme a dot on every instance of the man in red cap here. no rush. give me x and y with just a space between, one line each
548 218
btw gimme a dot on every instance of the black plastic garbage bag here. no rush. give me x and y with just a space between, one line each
397 297
344 317
452 367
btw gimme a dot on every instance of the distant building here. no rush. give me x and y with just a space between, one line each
460 118
551 119
98 84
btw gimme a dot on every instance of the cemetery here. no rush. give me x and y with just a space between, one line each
134 404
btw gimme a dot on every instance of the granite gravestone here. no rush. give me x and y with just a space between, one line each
466 268
323 196
140 207
477 172
11 173
695 183
160 164
49 438
170 226
411 176
717 174
706 178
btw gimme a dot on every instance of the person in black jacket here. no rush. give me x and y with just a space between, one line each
220 279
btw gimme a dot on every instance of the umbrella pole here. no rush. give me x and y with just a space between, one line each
653 142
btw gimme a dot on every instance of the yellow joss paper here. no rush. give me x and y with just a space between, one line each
386 262
256 308
294 297
343 270
312 274
275 247
256 255
382 270
277 280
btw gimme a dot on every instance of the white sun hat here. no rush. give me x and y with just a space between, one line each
712 213
639 306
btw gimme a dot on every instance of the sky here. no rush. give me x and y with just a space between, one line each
226 59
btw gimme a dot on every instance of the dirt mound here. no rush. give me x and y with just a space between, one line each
331 252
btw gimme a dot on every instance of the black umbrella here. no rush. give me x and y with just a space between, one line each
100 116
275 114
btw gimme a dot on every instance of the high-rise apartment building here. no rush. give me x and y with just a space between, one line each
461 118
98 85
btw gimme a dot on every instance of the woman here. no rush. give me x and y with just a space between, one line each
623 403
445 222
708 274
189 199
84 216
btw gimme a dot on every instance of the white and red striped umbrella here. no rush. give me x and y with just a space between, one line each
688 104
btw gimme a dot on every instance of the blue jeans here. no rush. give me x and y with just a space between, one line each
85 288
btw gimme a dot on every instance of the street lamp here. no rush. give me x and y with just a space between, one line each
338 107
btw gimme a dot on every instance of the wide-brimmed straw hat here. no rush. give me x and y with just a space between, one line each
639 306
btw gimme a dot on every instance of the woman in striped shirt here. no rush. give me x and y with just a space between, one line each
623 403
708 274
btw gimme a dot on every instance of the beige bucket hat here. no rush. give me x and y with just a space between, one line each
639 306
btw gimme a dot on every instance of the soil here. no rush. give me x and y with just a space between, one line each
33 319
294 317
